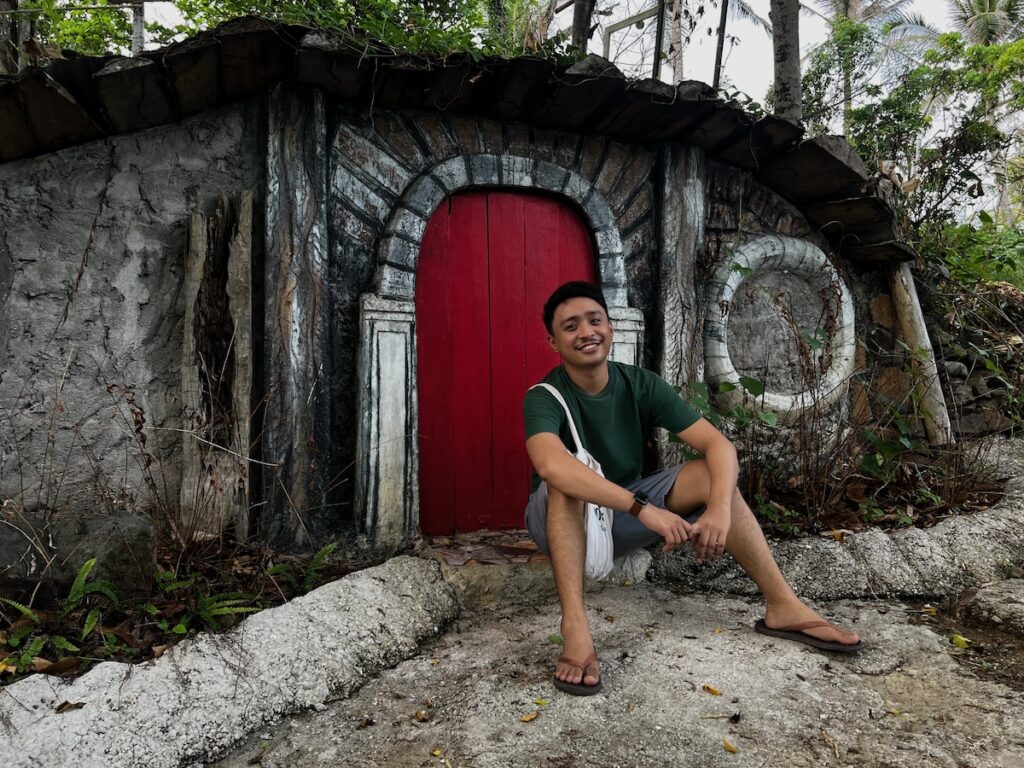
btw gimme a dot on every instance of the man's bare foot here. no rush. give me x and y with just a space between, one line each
578 645
779 616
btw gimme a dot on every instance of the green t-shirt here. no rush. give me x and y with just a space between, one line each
613 424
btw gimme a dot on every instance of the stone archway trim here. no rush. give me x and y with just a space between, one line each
399 248
807 262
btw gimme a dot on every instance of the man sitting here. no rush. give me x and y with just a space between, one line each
615 407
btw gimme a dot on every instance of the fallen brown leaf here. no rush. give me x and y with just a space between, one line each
529 716
712 690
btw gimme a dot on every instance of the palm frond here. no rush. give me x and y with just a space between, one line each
741 10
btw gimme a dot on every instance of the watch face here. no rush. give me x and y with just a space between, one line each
640 498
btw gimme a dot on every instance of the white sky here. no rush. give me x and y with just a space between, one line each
748 58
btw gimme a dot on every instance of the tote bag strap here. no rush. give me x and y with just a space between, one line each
572 425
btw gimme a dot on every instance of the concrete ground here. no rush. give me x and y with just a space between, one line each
418 663
481 695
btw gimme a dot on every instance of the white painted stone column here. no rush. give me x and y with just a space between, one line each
387 472
628 341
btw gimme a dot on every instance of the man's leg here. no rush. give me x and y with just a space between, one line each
567 545
746 543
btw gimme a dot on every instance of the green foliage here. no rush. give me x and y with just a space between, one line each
740 416
189 607
781 518
888 448
303 577
973 255
94 32
372 27
837 69
968 88
42 632
83 586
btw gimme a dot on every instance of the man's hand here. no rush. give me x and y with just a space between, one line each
708 534
670 526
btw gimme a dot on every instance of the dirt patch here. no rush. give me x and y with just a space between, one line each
987 651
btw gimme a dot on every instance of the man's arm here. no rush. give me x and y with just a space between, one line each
720 454
560 469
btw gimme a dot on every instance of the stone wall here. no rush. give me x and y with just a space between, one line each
91 267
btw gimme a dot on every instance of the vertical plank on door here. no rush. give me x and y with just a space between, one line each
506 233
434 376
470 361
542 277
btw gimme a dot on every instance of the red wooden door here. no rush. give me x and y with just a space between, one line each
488 262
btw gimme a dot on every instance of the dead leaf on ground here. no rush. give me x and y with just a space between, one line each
421 716
529 716
960 641
62 666
541 702
66 706
712 690
728 747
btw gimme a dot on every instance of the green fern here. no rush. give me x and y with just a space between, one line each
24 610
90 622
63 644
83 587
316 565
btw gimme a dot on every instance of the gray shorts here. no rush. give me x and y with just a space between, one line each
628 533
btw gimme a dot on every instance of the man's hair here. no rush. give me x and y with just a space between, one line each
574 290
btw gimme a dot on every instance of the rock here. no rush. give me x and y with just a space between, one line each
956 370
124 546
34 549
631 569
596 66
986 421
979 385
24 554
1001 604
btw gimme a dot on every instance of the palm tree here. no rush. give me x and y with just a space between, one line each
986 22
890 21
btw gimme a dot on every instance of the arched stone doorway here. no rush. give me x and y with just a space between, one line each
387 497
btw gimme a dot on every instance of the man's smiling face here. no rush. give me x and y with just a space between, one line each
581 332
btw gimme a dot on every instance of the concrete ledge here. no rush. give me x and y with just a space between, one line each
486 587
957 554
207 693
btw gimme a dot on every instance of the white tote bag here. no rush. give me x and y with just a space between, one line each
600 549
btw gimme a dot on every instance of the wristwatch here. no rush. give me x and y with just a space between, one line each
639 502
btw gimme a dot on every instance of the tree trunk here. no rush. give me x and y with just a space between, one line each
8 38
675 48
721 44
582 13
784 16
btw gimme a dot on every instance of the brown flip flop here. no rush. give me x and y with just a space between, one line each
577 689
796 634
